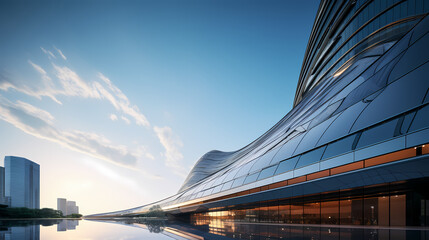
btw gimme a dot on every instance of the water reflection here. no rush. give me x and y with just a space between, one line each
143 229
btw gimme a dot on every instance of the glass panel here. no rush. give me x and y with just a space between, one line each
351 212
398 210
407 122
231 175
421 120
226 185
378 133
310 157
370 211
284 213
312 213
397 97
287 165
251 178
267 172
383 211
341 146
264 160
297 212
330 212
287 149
238 182
245 169
341 126
313 136
217 189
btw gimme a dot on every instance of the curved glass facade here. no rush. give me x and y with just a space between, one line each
361 113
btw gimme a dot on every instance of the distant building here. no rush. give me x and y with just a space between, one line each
71 208
2 193
62 205
22 182
67 207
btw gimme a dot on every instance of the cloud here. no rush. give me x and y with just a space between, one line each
113 117
61 53
38 123
68 83
126 120
122 103
172 145
49 53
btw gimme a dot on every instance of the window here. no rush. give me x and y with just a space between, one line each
267 172
421 120
310 157
287 165
341 146
238 182
264 160
378 133
251 178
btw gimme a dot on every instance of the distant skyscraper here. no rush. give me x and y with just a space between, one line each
22 182
62 205
71 207
2 194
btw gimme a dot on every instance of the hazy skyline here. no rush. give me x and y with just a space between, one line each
117 102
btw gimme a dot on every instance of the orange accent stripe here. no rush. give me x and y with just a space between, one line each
347 168
320 174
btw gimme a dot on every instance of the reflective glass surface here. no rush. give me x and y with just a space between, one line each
338 147
287 165
251 178
310 157
267 172
421 120
378 133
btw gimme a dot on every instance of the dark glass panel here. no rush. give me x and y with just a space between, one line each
273 213
341 146
310 157
287 165
312 213
351 212
329 212
370 211
378 133
296 212
383 211
407 122
398 210
421 120
251 178
267 172
284 213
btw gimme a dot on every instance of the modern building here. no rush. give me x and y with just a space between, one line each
72 208
22 182
2 185
352 151
62 205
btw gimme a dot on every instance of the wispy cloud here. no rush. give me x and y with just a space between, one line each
113 117
172 145
60 53
38 123
57 82
49 53
126 120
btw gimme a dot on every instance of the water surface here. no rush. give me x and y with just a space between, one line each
138 229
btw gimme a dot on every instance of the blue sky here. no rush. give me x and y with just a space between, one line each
116 100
